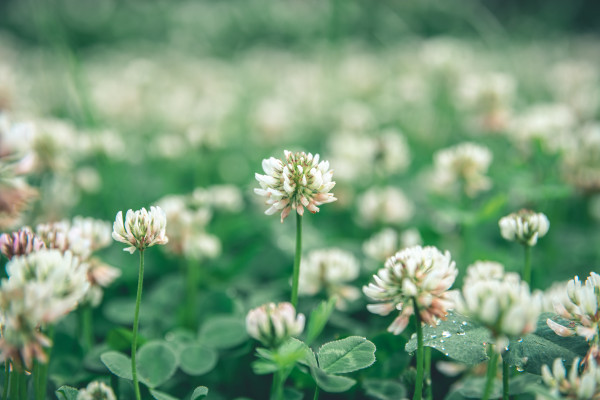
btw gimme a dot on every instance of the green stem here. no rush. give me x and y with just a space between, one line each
191 293
86 331
527 265
6 380
22 386
316 396
277 388
136 318
419 380
491 373
427 373
40 377
505 378
296 276
14 382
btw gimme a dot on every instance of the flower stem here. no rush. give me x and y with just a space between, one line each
136 318
191 293
505 378
86 332
419 380
6 381
41 370
316 396
491 373
296 275
277 388
527 265
14 382
427 373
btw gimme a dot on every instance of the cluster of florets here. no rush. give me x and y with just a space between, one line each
142 228
301 181
417 274
524 226
329 270
272 324
20 243
503 304
96 390
574 385
581 307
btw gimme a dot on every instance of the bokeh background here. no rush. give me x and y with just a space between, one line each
137 102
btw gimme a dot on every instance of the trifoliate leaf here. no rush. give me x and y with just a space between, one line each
331 383
346 355
223 332
156 363
384 389
196 359
117 363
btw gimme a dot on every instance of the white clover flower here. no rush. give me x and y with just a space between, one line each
421 273
555 295
484 270
386 242
219 197
142 229
524 226
466 164
272 324
574 385
581 307
20 243
100 275
96 391
98 232
301 181
60 236
505 306
385 205
329 269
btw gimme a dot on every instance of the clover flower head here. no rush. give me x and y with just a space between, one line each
272 324
96 391
573 385
581 307
421 273
299 181
96 231
100 275
382 245
505 306
142 228
60 236
524 226
20 243
385 205
330 269
484 270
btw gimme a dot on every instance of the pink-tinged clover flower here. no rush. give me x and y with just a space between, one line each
20 243
272 324
299 181
421 273
573 385
142 228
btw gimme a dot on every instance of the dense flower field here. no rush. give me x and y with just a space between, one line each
313 202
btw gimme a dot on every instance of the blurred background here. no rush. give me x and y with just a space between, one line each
109 105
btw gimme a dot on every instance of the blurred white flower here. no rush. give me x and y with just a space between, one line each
555 294
387 205
484 270
417 273
142 229
574 82
330 269
302 181
581 307
524 226
574 385
580 161
219 197
96 391
505 306
462 166
272 324
386 242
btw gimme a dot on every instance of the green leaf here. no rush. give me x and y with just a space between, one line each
384 389
196 359
156 363
346 355
199 392
223 332
318 319
331 383
472 387
284 357
544 346
161 395
66 393
457 337
292 394
118 363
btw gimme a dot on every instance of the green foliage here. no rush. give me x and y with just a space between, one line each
199 392
156 363
161 396
318 319
384 389
346 355
196 359
66 393
457 337
472 387
223 332
118 363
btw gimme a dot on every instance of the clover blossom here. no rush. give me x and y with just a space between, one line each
96 391
299 181
574 385
580 307
421 273
20 243
272 324
524 226
142 229
329 269
504 305
484 270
